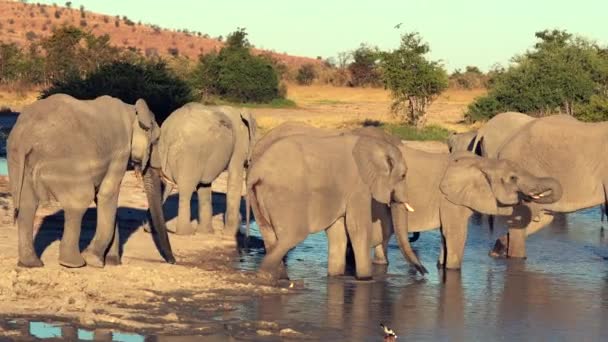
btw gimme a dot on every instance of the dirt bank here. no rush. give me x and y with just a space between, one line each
144 293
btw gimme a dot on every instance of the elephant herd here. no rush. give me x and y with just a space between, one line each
359 186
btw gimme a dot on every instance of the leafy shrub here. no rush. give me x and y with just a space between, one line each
306 74
163 91
235 74
562 74
413 80
363 69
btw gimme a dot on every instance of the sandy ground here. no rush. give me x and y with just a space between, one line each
144 293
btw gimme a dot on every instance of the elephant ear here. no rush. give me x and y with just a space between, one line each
375 166
465 184
144 114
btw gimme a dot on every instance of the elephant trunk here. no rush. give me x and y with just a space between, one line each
399 216
543 190
158 227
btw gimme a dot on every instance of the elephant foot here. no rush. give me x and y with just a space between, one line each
71 259
147 228
113 260
185 230
266 278
500 248
30 262
380 261
366 278
93 259
205 229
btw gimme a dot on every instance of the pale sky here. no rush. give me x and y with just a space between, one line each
460 32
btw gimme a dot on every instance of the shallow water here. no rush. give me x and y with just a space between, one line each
560 293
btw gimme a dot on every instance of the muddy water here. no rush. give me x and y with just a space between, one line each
559 293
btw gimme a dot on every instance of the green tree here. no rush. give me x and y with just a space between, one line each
234 74
413 80
363 68
562 74
152 81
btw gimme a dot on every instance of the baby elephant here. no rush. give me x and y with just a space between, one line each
302 185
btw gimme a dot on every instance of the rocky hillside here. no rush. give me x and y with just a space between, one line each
24 23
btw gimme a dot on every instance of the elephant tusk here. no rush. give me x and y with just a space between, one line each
408 207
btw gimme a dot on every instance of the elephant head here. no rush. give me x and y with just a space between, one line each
145 134
493 187
143 150
383 169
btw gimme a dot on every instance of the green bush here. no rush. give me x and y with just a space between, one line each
151 81
306 74
414 81
562 74
235 74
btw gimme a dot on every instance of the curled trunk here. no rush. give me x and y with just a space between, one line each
156 216
399 216
543 190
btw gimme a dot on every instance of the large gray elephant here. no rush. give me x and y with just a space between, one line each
197 144
568 150
75 152
301 185
445 190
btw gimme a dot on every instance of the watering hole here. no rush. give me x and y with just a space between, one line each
560 293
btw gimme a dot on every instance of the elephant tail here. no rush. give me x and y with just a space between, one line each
253 204
16 173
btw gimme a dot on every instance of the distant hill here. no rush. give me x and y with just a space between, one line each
23 23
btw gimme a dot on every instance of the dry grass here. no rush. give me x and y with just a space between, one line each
333 107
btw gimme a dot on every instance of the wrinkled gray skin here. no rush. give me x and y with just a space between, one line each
197 144
76 152
445 189
458 142
568 150
496 131
326 182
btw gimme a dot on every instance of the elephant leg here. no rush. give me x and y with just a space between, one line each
233 198
270 240
113 256
513 244
69 249
380 254
107 203
358 224
184 226
272 264
454 233
205 210
25 225
337 240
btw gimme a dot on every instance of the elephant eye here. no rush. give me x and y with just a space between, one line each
513 179
403 176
